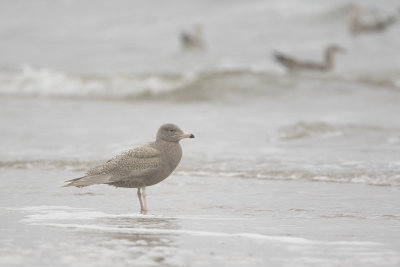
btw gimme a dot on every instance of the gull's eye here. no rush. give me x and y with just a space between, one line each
171 130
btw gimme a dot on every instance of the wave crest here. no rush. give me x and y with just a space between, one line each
191 86
321 130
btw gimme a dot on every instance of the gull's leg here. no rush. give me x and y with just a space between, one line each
140 200
144 198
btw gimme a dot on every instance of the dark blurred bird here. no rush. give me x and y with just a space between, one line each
141 166
357 26
293 65
193 40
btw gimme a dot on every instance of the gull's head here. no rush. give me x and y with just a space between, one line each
171 133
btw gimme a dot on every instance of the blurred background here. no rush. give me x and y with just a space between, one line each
123 68
83 80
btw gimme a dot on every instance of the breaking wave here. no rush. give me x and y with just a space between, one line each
388 177
322 130
339 172
189 86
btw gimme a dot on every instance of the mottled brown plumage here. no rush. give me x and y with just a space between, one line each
141 166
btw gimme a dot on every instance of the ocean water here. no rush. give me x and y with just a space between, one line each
285 170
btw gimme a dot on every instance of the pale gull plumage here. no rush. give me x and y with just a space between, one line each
141 166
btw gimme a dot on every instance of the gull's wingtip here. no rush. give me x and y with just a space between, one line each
71 182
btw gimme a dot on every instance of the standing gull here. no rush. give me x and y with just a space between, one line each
193 40
141 166
293 64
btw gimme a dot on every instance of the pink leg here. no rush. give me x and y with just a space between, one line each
140 200
144 199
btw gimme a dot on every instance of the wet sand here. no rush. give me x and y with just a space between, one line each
197 221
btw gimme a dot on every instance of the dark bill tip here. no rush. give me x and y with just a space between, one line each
191 136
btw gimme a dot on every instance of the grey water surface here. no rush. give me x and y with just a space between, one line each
286 169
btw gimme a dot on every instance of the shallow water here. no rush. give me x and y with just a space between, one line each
245 192
285 170
199 221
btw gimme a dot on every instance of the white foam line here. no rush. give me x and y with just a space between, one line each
81 215
45 208
91 215
41 213
253 236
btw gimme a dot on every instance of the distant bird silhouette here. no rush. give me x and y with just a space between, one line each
357 26
293 65
193 40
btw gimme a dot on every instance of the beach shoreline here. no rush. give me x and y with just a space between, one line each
203 220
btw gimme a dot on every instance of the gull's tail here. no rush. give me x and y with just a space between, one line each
89 180
282 58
